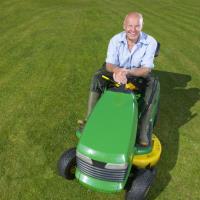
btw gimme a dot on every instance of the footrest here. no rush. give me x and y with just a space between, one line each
149 159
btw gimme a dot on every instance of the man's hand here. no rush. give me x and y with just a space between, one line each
119 75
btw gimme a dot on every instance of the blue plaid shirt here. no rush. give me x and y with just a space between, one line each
142 54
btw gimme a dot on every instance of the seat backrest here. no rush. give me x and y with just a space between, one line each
157 49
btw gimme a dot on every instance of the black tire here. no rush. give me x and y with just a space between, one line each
67 164
141 184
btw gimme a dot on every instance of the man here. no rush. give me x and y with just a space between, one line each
130 57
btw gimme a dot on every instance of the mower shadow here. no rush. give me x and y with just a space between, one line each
175 103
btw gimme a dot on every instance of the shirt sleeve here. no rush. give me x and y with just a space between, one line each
147 60
112 53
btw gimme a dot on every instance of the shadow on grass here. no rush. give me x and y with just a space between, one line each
175 104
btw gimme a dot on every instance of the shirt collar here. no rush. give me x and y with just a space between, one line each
142 38
123 37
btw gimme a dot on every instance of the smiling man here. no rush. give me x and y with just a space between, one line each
131 53
130 57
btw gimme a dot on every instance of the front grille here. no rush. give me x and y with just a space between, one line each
114 175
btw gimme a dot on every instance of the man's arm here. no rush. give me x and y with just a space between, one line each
140 72
112 68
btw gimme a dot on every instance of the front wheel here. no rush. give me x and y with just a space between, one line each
141 184
67 164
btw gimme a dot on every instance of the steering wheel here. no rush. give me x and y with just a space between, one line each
127 86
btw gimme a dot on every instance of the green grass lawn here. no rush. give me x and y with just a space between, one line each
49 50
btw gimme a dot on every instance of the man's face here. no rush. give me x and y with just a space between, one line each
132 27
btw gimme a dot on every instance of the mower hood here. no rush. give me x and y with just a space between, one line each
110 133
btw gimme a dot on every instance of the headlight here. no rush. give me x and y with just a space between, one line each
84 158
116 166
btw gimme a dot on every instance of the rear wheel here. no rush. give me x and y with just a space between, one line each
141 184
67 164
